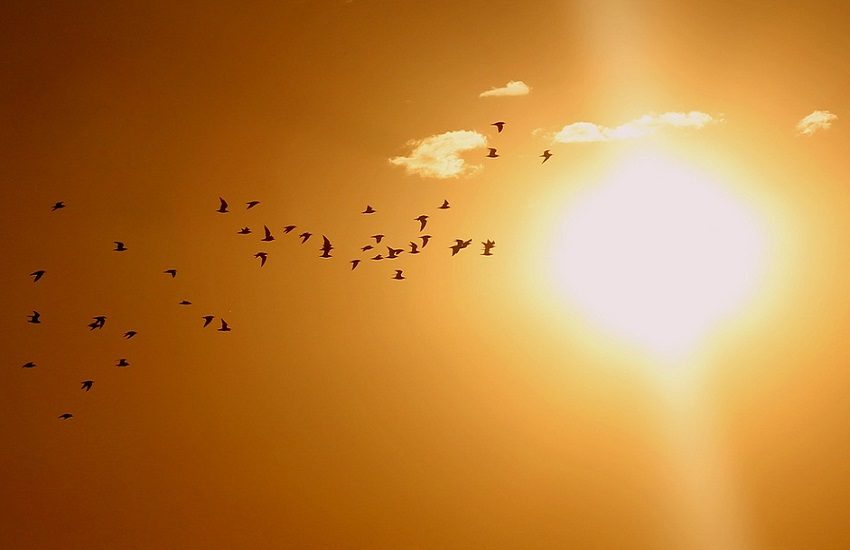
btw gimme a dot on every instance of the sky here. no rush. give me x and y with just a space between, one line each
482 401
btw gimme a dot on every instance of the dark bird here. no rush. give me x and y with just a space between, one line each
66 416
29 365
252 204
207 320
354 264
488 245
57 205
378 257
36 275
172 272
122 363
326 248
223 327
444 206
304 236
414 248
393 252
398 275
425 239
288 228
245 231
423 219
268 238
459 245
546 154
87 384
119 246
35 318
369 210
377 238
97 322
129 334
184 303
263 256
367 247
222 209
492 153
499 126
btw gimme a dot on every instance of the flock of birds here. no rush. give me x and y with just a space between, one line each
492 152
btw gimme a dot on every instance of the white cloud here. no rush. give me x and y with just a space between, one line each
438 156
818 120
589 132
514 87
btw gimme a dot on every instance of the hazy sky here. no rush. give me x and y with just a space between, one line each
470 405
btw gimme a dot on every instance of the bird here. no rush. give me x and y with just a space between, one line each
244 231
378 257
546 154
488 245
268 238
369 210
459 245
57 205
122 363
222 209
97 322
377 238
129 334
288 228
223 327
393 252
119 246
425 239
263 256
36 275
35 318
445 205
207 320
367 247
252 204
414 248
499 126
304 236
184 303
398 275
66 416
172 272
28 365
354 264
423 219
492 153
87 384
326 248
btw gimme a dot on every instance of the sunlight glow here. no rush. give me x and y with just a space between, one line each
658 252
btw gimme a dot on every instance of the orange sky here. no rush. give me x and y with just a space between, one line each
468 406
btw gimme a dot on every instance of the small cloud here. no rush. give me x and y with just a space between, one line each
589 132
818 120
512 88
438 156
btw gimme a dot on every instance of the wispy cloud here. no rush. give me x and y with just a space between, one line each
438 156
514 87
818 120
589 132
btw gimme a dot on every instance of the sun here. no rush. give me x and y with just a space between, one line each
658 252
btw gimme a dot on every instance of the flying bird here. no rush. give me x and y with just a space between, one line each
263 256
304 236
29 365
326 248
222 209
66 416
354 264
459 245
393 252
378 257
268 238
36 275
57 205
423 219
398 275
172 272
119 246
367 247
414 248
122 363
35 318
245 230
288 228
129 334
97 322
369 210
445 205
499 126
492 153
546 154
223 327
252 204
87 384
488 245
425 239
207 320
377 238
184 303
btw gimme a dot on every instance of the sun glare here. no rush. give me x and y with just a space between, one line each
658 252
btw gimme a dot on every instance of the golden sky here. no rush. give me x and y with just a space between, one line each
480 402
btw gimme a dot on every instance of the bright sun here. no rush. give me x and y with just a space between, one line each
658 252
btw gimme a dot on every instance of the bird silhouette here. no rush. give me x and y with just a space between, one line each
326 248
268 238
459 245
367 247
36 275
492 153
172 272
65 416
398 275
222 209
546 154
414 248
207 320
393 252
445 205
223 327
488 246
288 228
304 236
425 239
184 303
122 363
263 256
423 219
378 238
354 264
57 205
97 322
378 257
35 318
499 126
87 384
129 334
119 246
245 231
369 210
252 204
29 365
